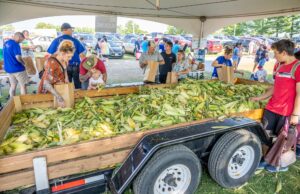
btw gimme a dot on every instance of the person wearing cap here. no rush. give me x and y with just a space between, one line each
73 67
151 55
14 64
87 67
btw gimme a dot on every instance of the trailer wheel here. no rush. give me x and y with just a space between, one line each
234 158
175 170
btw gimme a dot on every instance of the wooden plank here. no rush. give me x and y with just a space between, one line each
256 114
48 104
33 98
250 82
56 154
5 117
18 104
24 178
106 92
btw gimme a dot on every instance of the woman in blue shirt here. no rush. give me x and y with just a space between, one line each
221 61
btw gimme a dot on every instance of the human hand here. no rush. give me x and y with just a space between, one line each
294 120
255 99
61 102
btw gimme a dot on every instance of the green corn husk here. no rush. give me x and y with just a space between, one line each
106 117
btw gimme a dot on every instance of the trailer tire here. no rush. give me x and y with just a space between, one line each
176 160
234 158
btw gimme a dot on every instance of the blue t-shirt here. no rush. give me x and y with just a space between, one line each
221 60
10 50
145 46
235 55
79 48
161 48
175 49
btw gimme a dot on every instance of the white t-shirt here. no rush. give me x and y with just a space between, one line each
95 82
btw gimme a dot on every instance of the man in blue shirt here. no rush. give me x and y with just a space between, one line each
145 45
14 64
176 47
73 67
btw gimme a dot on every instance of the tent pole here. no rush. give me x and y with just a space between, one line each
202 20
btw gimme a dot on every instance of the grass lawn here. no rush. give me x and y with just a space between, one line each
262 183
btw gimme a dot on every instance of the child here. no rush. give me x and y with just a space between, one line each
95 80
260 75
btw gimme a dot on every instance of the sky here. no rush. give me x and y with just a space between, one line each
87 21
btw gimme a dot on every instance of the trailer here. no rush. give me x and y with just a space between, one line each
163 160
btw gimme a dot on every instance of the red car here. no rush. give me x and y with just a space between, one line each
214 46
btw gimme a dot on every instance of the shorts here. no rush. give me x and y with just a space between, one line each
262 62
19 77
273 122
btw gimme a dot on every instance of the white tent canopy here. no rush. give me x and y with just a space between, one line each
184 14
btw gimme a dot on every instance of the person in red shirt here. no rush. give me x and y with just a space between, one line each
85 71
285 93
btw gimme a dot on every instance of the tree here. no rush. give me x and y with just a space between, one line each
43 25
7 28
130 28
239 29
174 31
294 21
278 25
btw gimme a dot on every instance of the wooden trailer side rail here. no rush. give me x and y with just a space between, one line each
17 170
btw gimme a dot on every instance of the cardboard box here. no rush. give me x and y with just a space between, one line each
172 78
226 74
151 71
66 91
40 63
29 66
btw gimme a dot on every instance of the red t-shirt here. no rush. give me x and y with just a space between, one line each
283 98
100 66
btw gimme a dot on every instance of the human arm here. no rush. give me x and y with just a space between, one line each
264 96
104 77
142 61
48 86
161 60
295 117
19 58
215 63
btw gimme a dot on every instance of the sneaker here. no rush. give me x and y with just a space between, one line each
262 165
276 169
298 151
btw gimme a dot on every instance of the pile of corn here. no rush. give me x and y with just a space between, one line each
151 108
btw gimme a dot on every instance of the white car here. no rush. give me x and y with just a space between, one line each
42 43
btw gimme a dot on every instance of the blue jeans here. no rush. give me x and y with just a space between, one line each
85 84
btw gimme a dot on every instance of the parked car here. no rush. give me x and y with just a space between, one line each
214 46
156 34
130 46
115 50
89 39
127 37
222 38
42 43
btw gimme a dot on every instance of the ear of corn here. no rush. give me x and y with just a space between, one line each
151 108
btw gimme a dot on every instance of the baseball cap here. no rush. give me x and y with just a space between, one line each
90 62
65 26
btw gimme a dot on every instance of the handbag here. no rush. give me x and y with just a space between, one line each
282 153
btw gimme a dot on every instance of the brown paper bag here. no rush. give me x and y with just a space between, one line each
151 71
172 78
226 74
40 63
67 93
1 65
29 65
